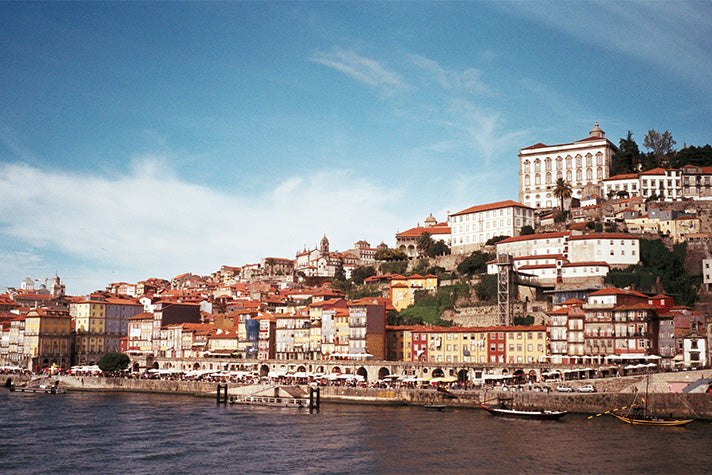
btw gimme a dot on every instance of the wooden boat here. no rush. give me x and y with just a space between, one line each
641 415
435 407
648 420
541 414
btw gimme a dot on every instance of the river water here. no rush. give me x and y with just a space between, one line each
121 433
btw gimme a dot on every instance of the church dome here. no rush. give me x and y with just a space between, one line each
597 132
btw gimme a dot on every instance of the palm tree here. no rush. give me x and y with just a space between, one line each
424 242
562 190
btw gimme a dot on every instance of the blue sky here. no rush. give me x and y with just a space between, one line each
149 139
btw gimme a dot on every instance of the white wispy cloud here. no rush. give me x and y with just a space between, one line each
468 80
673 36
361 68
151 223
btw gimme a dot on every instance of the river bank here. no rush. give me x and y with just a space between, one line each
614 395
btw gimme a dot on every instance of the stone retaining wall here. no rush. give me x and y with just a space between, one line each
698 405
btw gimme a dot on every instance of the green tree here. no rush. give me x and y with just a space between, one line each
439 248
524 321
495 239
113 361
562 191
394 267
698 156
424 243
661 145
486 289
475 263
429 306
526 230
660 270
361 273
339 274
390 255
627 158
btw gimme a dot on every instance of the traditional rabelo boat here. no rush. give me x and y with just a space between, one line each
538 414
642 416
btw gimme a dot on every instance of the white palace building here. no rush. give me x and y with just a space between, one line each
584 164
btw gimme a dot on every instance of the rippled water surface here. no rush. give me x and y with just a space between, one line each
160 434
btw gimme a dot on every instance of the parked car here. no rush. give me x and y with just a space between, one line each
564 389
586 388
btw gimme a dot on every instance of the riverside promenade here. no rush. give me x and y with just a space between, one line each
612 393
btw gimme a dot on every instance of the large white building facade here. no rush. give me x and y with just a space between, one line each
598 250
472 227
581 163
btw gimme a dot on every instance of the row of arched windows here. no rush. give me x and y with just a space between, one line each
548 177
578 160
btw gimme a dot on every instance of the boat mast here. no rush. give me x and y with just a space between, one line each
647 384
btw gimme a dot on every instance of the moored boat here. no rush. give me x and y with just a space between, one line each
270 401
648 420
538 414
41 388
435 407
642 416
279 396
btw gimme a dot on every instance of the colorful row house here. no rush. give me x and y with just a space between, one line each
501 344
403 288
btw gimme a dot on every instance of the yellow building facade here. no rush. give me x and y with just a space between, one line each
90 329
48 338
403 289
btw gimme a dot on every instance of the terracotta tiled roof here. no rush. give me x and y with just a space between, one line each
623 176
417 232
610 291
604 236
530 237
654 171
490 206
586 263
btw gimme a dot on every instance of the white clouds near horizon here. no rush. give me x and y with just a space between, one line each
151 223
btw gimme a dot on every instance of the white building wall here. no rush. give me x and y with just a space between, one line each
470 231
612 187
615 250
537 245
580 163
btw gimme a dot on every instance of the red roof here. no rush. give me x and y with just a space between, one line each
533 236
622 176
537 266
536 145
654 171
441 228
638 306
589 263
490 206
610 291
604 236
